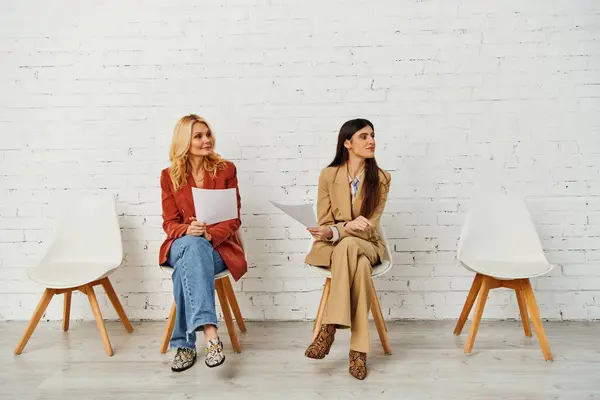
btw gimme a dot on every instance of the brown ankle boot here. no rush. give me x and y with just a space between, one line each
319 348
358 364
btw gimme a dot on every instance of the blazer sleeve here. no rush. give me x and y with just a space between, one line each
170 212
224 230
324 213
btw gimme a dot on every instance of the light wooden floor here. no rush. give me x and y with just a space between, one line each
428 363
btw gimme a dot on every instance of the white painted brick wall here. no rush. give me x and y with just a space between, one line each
456 88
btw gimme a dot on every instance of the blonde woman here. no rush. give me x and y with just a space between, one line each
197 251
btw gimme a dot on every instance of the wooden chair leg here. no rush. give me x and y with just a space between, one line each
471 297
523 311
321 311
234 304
67 311
482 298
536 319
380 322
170 326
37 315
220 287
99 320
114 299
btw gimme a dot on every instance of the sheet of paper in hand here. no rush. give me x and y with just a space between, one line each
302 213
215 205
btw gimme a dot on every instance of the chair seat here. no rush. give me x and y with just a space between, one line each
378 269
508 270
169 270
64 275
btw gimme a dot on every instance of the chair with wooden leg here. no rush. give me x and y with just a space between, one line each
228 303
500 244
85 250
378 270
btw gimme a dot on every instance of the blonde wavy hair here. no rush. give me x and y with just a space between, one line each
180 146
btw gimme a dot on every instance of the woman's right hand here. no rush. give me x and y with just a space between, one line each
360 224
196 228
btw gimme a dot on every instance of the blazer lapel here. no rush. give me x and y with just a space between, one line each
343 196
186 198
190 181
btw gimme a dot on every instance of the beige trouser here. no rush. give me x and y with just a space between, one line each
351 292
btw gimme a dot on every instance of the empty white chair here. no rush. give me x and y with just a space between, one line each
499 242
85 250
378 270
227 299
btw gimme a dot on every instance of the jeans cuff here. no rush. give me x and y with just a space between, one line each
199 326
181 344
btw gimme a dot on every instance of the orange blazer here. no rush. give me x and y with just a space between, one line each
178 207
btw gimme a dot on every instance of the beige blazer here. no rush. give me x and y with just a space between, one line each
335 207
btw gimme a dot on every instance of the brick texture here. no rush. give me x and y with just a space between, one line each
457 89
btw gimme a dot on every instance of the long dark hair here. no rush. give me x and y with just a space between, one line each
371 185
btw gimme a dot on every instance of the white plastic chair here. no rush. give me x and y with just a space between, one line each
85 250
500 244
378 270
227 299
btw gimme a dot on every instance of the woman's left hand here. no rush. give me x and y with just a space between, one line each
196 228
204 233
321 232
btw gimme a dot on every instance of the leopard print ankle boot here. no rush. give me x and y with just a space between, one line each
319 348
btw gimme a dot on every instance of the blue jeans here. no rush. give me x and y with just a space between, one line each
196 263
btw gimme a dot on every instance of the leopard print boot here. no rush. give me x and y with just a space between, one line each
319 348
358 364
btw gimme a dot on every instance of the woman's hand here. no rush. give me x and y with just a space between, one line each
196 228
321 232
360 224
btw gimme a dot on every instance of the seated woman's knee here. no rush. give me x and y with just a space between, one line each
194 241
347 245
349 241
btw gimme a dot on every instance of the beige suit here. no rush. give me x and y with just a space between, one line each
351 259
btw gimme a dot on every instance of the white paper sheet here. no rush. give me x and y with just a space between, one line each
215 205
302 213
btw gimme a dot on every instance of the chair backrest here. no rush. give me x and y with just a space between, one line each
387 256
88 231
498 227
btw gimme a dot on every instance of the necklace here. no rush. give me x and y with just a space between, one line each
355 176
198 178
